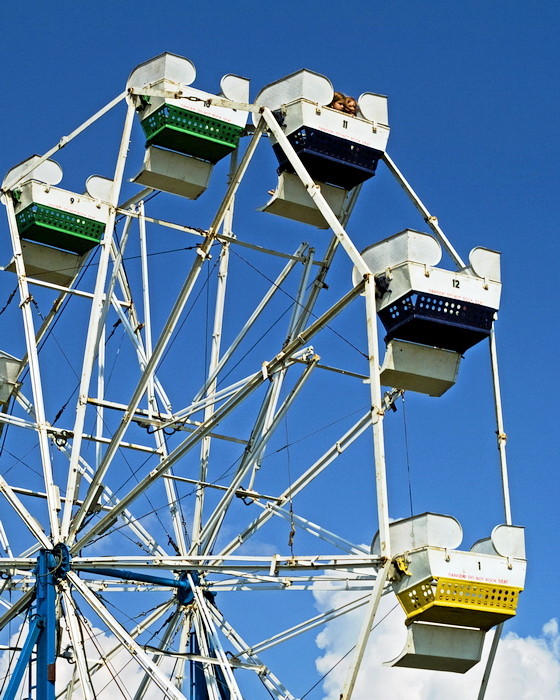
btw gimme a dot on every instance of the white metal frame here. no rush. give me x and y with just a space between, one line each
86 494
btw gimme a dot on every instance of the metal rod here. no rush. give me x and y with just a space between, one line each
45 599
490 661
212 381
367 624
164 642
327 458
22 604
221 237
179 584
208 534
500 430
126 640
299 307
207 562
99 409
98 312
274 365
428 218
182 646
34 371
256 313
64 141
72 620
24 514
146 292
377 415
24 659
314 191
260 433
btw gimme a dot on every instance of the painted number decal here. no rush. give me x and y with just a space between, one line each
455 284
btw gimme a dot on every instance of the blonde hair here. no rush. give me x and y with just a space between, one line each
337 97
350 110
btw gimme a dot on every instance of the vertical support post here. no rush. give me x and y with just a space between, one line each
83 675
377 418
42 633
46 612
100 395
381 486
502 437
182 647
262 425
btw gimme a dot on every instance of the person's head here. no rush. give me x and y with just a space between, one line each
350 106
338 101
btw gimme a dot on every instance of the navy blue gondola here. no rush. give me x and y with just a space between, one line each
431 319
339 151
331 159
428 305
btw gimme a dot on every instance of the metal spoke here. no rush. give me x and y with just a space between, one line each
275 364
125 639
72 620
335 451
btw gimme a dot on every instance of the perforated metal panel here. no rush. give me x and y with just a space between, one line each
435 320
457 602
59 229
330 158
191 133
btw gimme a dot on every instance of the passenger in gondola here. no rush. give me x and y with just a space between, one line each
338 101
350 106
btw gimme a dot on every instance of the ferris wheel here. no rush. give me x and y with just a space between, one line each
193 405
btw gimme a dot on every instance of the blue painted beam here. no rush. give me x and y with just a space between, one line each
182 585
24 659
46 612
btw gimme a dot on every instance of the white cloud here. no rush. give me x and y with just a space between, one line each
525 668
117 676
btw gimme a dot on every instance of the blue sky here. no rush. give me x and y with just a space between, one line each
473 105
